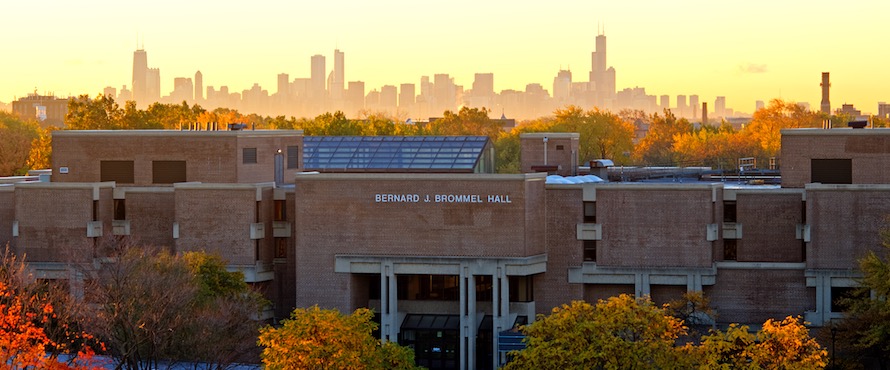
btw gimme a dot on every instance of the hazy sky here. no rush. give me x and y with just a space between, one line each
744 50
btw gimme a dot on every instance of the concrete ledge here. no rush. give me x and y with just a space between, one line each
734 265
512 266
590 273
420 176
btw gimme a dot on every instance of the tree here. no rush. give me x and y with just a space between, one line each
101 113
865 331
152 306
619 333
656 148
315 338
467 121
767 123
784 344
15 146
35 325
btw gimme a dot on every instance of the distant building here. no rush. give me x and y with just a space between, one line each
849 110
338 81
562 87
884 110
47 109
317 77
693 103
758 105
199 87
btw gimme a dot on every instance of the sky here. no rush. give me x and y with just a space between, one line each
743 50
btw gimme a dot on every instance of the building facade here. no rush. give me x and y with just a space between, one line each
449 260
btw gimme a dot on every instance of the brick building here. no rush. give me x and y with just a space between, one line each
448 260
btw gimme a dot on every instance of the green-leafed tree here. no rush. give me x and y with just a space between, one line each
467 121
315 338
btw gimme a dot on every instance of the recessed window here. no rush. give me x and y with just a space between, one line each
730 249
293 156
117 171
248 155
559 147
590 250
729 211
120 209
831 171
168 172
280 247
589 212
280 211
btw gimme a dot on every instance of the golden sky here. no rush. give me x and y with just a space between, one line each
744 50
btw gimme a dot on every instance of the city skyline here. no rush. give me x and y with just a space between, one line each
739 51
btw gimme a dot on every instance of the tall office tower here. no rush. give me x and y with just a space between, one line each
140 77
444 94
883 110
602 77
758 105
317 77
110 92
562 86
681 106
720 106
665 102
826 104
199 87
388 97
355 97
338 78
483 84
182 90
283 86
704 113
693 103
125 94
152 85
406 97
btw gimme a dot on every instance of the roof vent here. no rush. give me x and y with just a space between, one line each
857 123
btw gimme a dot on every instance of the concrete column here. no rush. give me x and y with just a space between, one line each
389 310
693 282
501 321
467 318
641 284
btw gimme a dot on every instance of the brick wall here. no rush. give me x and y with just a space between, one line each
769 222
845 223
7 216
564 250
151 215
655 226
217 219
752 296
868 149
340 214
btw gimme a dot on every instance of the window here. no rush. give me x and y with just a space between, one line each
120 209
168 172
730 252
590 250
293 156
559 147
280 211
522 288
729 211
839 295
248 155
280 247
117 171
589 212
831 171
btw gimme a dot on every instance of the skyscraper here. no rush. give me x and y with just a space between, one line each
602 77
199 87
140 77
693 103
317 77
562 86
720 106
338 77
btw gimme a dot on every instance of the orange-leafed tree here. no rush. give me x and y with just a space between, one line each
34 323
